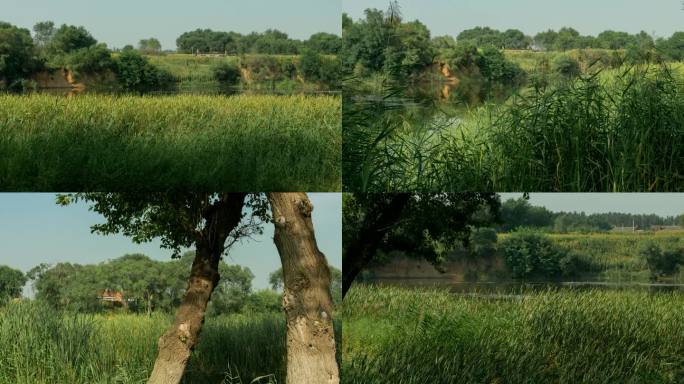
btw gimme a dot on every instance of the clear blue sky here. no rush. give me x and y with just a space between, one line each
121 22
34 230
449 17
663 204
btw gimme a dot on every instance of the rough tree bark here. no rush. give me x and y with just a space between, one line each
376 224
177 343
306 298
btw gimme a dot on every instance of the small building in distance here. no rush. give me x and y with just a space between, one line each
116 298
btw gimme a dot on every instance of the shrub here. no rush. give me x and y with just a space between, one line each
227 73
661 262
135 73
566 66
532 254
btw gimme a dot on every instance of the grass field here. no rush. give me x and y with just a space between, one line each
40 346
618 251
105 142
394 335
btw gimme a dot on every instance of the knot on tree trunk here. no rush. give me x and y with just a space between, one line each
305 207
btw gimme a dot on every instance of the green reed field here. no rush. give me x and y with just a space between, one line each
613 130
395 335
41 346
108 142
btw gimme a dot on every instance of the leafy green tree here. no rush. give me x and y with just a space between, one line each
211 223
516 39
263 301
516 213
91 60
567 38
446 42
310 64
12 282
546 40
18 59
325 43
233 290
69 38
149 46
614 40
674 46
494 66
411 223
43 33
481 36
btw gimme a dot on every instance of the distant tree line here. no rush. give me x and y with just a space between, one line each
519 213
144 286
269 42
74 48
567 38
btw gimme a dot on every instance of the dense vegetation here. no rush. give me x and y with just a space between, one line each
517 213
152 286
588 120
97 142
272 42
39 345
52 49
418 336
531 243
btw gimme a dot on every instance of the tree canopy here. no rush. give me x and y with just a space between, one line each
271 41
145 285
11 283
411 223
18 55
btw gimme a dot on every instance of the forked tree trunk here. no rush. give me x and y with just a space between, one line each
176 344
306 298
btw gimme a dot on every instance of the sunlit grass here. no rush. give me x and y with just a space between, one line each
107 142
395 335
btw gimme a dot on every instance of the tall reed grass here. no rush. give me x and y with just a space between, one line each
622 133
106 142
41 346
395 335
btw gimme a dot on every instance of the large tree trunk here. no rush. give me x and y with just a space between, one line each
376 224
176 344
306 298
